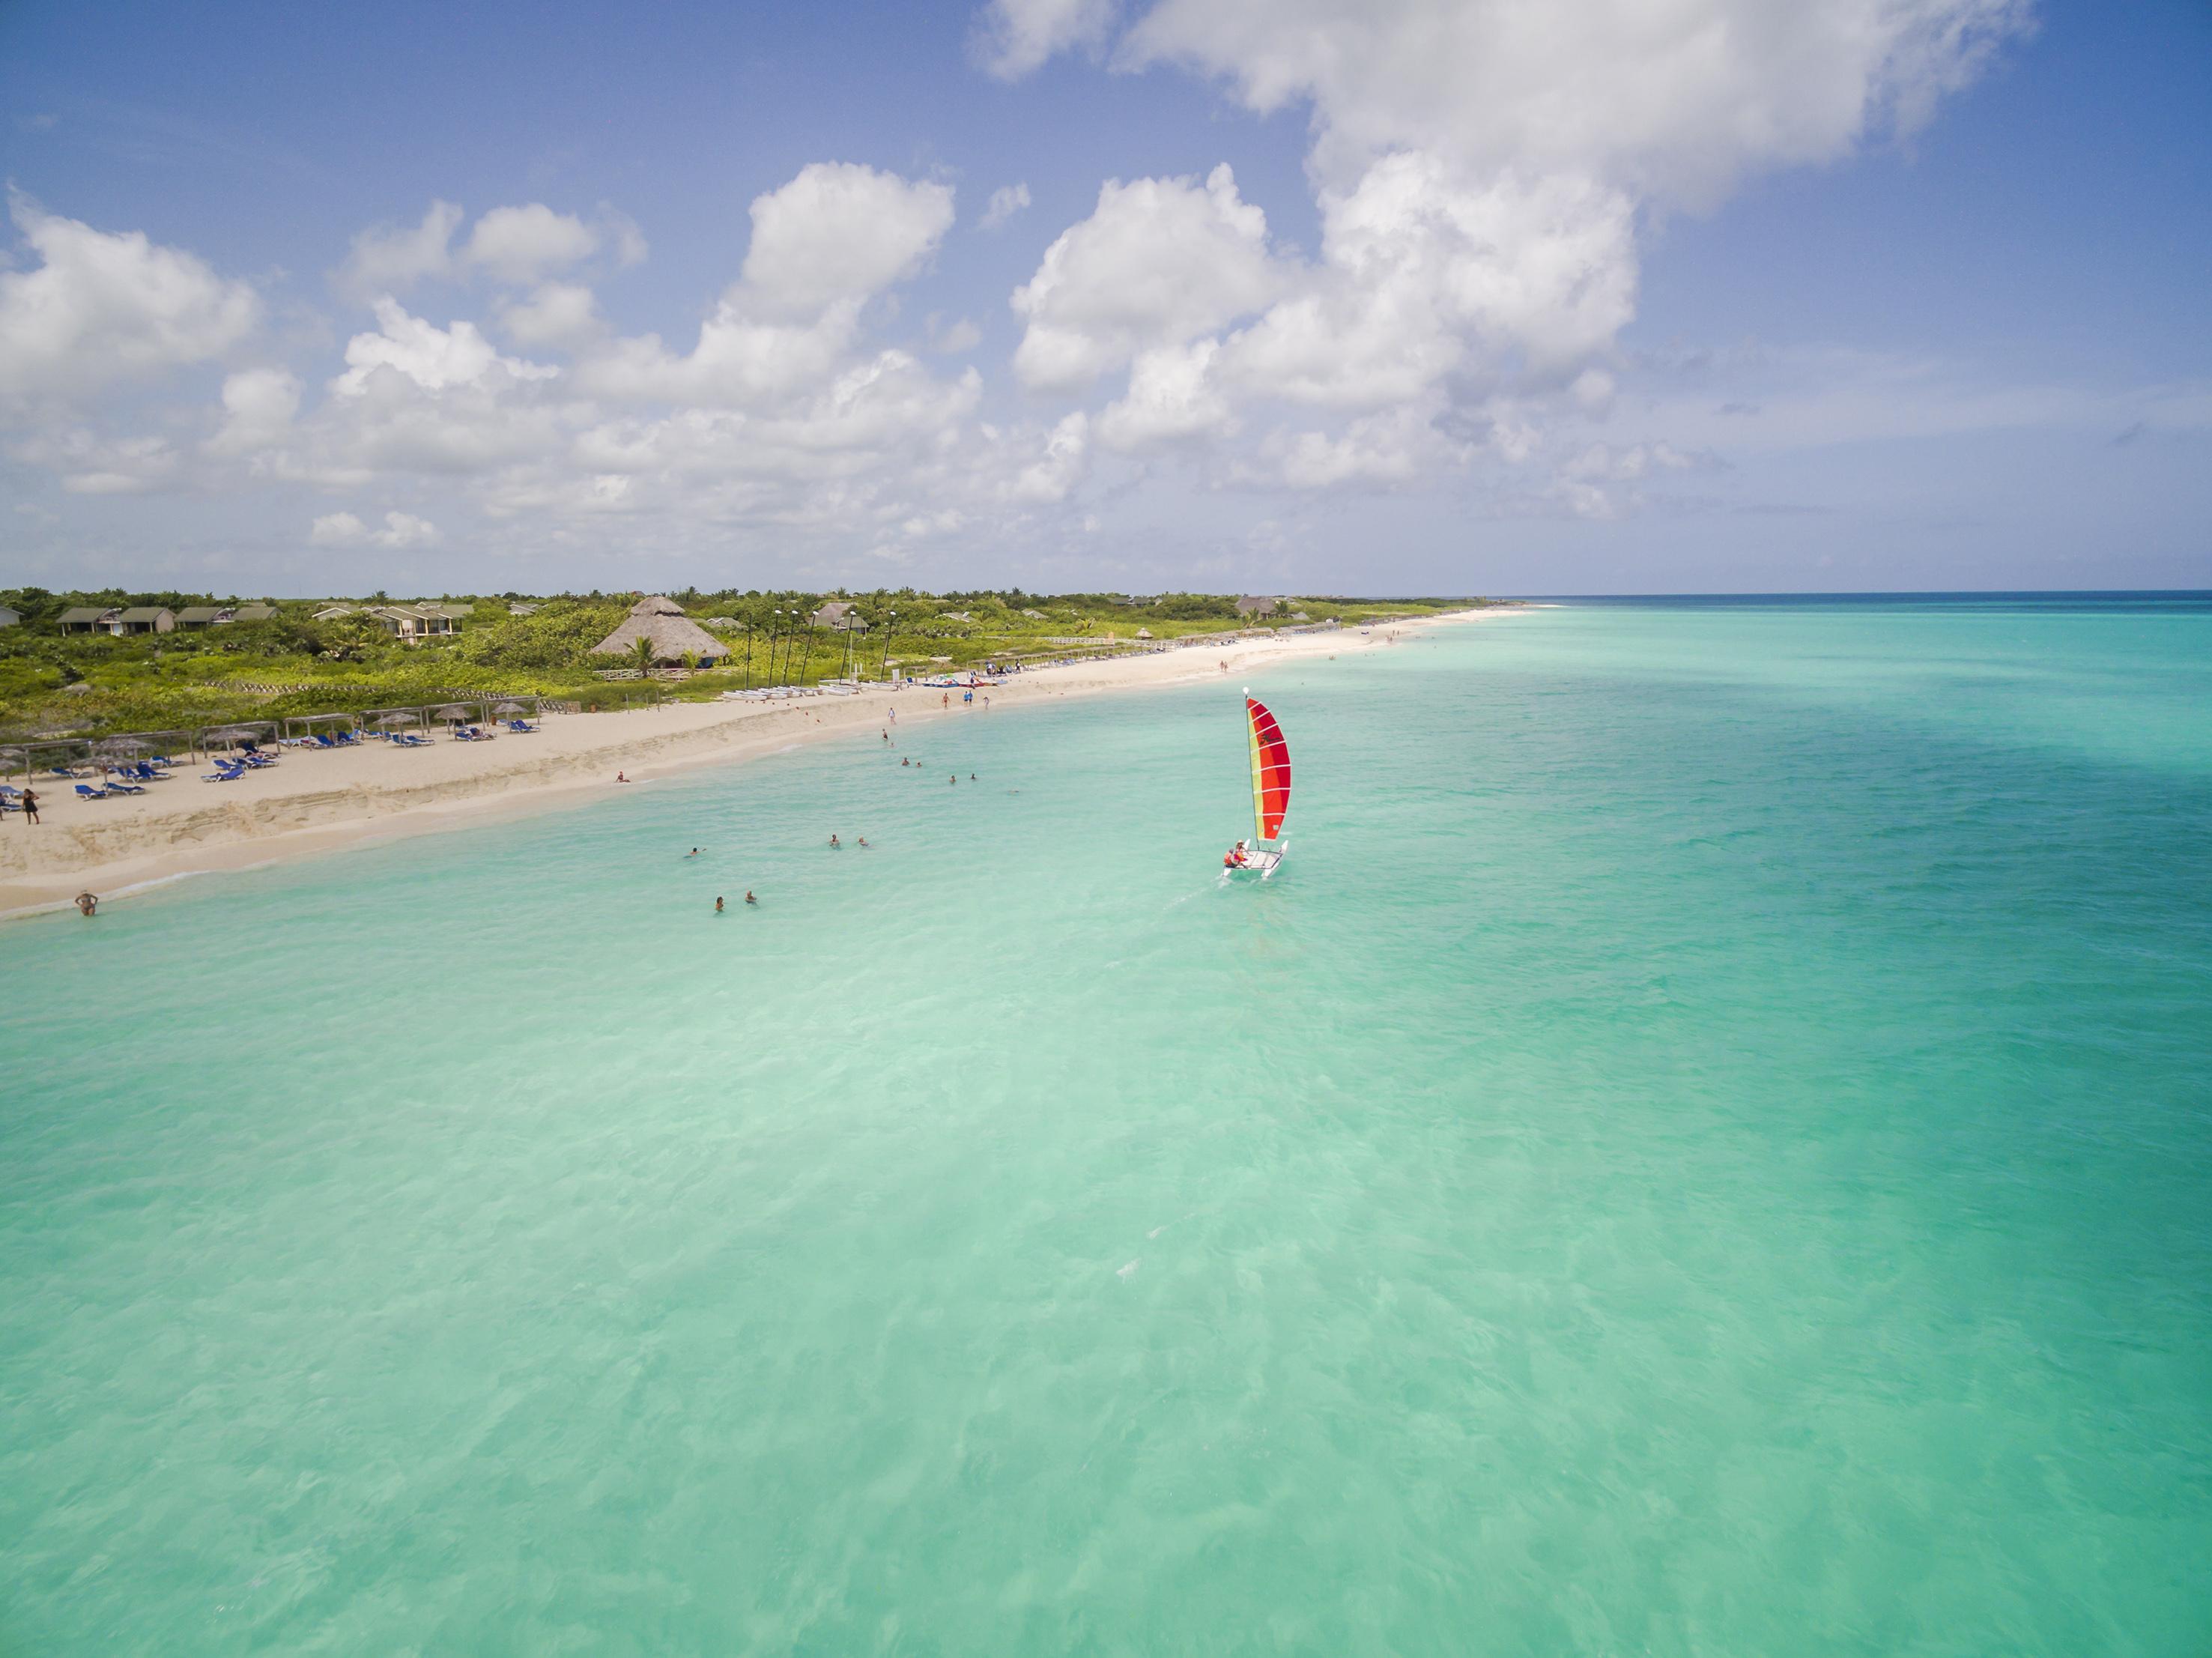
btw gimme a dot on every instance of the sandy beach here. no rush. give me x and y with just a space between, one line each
317 801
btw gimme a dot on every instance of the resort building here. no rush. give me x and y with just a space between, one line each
333 612
522 609
1257 605
88 618
9 618
249 614
841 616
145 619
412 623
197 616
661 622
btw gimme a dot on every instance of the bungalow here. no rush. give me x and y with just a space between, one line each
9 618
522 609
145 619
412 623
840 616
251 613
89 619
332 612
1256 605
202 615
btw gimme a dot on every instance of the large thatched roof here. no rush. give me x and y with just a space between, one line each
658 605
671 631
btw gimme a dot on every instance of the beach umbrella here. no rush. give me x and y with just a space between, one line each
456 712
393 721
228 735
510 708
13 757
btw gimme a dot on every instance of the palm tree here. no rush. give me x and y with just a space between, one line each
641 655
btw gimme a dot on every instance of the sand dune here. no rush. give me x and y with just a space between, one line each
316 800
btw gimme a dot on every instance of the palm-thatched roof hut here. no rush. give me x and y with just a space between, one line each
661 622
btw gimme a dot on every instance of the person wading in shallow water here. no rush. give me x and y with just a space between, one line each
749 899
718 906
87 902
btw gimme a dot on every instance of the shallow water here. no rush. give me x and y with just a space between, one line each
1705 1149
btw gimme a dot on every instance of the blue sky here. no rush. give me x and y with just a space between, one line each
1601 296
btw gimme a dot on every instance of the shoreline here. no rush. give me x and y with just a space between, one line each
318 802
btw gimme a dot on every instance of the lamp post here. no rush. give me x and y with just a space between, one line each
774 638
749 655
891 627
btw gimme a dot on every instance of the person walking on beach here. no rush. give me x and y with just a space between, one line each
945 701
30 804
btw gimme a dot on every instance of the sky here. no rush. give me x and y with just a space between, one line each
1363 297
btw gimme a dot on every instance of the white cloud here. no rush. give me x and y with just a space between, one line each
101 308
823 246
838 233
556 314
389 260
1052 474
521 245
259 407
1158 262
1007 200
1675 101
432 357
345 529
1172 396
1013 37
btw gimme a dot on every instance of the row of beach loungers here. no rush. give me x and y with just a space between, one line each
133 779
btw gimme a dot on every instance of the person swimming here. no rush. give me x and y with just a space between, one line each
834 844
718 905
863 842
749 899
693 853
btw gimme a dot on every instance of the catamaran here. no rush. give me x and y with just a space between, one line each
1271 795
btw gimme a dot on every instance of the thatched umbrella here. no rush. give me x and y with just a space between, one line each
12 754
393 721
228 735
455 713
510 708
117 754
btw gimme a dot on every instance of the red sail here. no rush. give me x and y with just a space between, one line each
1271 771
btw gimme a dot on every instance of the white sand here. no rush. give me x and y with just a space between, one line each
317 800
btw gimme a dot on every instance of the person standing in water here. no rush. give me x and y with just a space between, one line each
718 904
834 846
87 902
749 899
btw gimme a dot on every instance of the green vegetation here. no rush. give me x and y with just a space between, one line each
87 684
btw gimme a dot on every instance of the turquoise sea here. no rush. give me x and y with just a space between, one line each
1706 1148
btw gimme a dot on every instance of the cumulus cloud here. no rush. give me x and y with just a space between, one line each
840 232
520 245
1677 101
514 245
104 308
345 529
1158 262
432 357
1013 37
258 406
388 259
557 313
822 245
1480 168
1007 200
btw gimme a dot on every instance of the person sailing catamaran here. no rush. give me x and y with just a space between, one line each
1271 794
